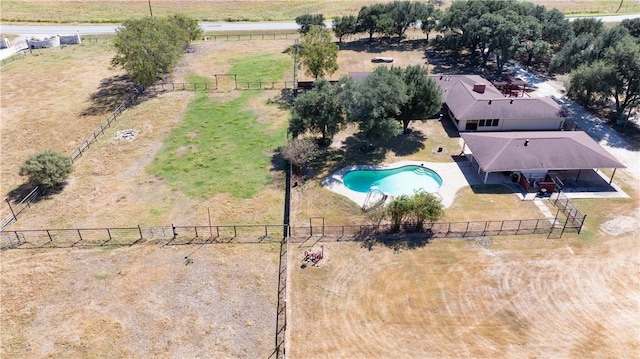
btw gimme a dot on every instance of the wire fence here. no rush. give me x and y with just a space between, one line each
574 218
434 230
93 137
236 85
240 37
24 53
77 237
260 233
17 208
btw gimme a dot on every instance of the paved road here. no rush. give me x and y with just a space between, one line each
207 26
109 29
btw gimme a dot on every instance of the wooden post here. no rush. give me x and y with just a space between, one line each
11 209
210 229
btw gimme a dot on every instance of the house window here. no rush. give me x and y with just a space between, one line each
495 122
471 125
481 123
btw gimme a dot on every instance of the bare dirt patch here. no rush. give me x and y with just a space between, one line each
140 302
622 224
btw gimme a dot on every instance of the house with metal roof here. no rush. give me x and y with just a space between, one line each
536 158
475 104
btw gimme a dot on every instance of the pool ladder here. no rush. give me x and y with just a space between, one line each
371 198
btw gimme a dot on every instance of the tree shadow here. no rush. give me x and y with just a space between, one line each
370 237
19 193
112 92
284 100
405 144
380 45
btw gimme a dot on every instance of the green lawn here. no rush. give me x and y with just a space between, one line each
221 147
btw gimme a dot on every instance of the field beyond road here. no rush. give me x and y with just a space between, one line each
115 11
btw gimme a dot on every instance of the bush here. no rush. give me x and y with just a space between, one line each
48 170
414 210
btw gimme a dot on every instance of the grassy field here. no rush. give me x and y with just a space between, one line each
112 11
517 296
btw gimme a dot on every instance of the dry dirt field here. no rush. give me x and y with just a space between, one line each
501 297
144 301
514 298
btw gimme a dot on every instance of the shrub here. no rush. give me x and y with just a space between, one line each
48 170
414 210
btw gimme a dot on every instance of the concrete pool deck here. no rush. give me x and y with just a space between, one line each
451 173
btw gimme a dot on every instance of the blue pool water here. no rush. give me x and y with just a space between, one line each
396 181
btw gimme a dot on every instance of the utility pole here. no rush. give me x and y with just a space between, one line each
150 11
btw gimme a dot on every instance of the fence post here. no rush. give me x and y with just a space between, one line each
109 233
235 232
582 223
79 235
11 209
49 234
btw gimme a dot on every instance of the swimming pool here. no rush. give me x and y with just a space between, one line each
394 181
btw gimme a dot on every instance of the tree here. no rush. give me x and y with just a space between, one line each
589 80
529 50
306 21
190 26
633 26
624 57
345 25
369 19
48 170
319 55
554 28
429 17
415 210
299 152
319 110
376 104
576 52
425 207
424 97
587 25
398 210
149 48
403 14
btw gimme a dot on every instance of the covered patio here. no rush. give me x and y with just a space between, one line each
542 162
